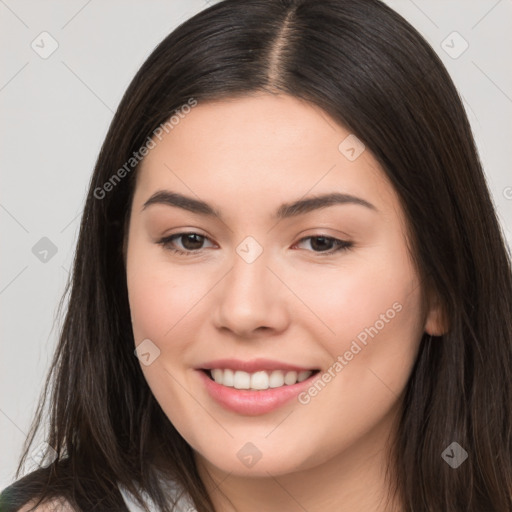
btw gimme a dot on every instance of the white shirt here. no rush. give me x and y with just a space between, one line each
184 504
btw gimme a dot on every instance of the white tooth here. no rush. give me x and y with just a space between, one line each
276 379
242 380
259 380
217 375
290 378
303 375
229 378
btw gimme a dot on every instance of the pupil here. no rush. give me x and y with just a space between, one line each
192 241
325 243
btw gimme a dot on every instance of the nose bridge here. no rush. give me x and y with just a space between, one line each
250 270
248 278
251 296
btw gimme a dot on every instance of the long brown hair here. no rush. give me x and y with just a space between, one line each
370 70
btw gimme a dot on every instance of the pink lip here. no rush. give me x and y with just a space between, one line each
251 366
248 402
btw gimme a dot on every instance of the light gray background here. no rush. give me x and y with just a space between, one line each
55 113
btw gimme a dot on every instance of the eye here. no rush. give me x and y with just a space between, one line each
191 243
326 245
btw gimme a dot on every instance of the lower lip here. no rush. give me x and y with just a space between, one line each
249 402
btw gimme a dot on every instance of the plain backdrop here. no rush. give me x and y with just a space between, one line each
55 111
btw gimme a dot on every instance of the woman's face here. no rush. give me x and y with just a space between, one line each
267 292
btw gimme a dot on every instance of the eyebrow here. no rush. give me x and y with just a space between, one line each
286 210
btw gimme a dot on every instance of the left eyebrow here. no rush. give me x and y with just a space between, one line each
286 210
322 201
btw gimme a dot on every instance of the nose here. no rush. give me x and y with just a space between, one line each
251 301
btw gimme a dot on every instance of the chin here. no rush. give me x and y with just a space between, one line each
247 460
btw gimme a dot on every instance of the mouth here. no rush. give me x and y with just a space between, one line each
257 381
255 387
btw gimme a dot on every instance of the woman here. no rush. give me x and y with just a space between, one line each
289 223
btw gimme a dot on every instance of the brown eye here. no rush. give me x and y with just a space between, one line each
189 243
326 244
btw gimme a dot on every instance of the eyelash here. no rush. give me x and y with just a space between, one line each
342 245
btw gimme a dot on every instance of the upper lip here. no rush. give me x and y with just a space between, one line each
252 366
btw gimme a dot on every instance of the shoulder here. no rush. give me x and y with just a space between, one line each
55 505
11 500
174 491
24 494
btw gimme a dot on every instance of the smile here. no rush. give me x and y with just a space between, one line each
254 387
259 380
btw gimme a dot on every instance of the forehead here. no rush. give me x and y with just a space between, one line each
260 147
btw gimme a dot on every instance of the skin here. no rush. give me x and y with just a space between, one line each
246 157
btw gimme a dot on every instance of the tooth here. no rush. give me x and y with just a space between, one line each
229 378
242 380
276 379
259 380
217 375
303 375
290 378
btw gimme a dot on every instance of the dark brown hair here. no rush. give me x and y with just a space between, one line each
373 73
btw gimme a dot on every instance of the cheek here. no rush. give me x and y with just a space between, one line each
161 302
372 322
361 293
371 357
160 296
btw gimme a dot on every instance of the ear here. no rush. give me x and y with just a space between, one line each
436 321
